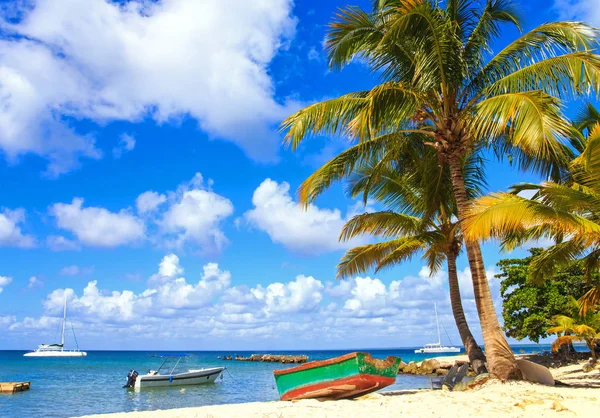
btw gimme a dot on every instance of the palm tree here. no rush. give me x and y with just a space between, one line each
567 213
585 328
422 223
440 83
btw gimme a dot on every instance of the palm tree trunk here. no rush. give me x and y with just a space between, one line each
592 346
501 360
476 356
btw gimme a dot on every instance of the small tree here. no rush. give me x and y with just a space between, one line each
585 328
527 306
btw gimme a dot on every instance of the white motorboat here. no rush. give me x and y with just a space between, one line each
168 374
57 350
435 348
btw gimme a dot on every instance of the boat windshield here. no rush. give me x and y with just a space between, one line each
170 363
50 347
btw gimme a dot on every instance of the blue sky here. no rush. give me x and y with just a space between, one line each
139 134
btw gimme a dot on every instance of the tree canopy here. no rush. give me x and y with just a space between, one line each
528 307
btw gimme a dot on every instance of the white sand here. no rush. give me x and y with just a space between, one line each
494 399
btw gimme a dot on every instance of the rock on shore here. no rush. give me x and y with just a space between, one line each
434 366
274 358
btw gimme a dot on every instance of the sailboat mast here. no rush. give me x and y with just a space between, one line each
436 320
62 340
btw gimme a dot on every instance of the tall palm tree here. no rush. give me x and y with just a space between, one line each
567 212
440 81
420 221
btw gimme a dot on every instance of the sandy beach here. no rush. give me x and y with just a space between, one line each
492 399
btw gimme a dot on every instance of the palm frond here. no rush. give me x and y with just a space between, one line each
343 165
586 167
530 121
504 213
565 76
406 250
384 224
589 301
329 117
494 14
564 340
545 263
362 259
545 41
388 107
587 118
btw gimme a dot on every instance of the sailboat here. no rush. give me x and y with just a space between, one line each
57 350
437 347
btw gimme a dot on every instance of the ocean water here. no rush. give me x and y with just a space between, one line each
93 384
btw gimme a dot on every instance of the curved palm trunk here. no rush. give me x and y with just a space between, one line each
501 360
476 356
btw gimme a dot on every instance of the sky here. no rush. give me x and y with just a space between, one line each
143 176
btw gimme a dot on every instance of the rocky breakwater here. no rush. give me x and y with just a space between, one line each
431 367
274 358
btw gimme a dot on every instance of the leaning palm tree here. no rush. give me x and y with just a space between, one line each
420 221
567 213
439 81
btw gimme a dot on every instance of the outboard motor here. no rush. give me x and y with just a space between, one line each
131 378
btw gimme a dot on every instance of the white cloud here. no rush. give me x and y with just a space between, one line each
72 270
180 294
60 243
194 216
149 201
98 227
168 270
7 320
365 292
311 231
34 282
582 10
106 60
10 231
4 281
191 216
126 144
313 54
301 295
167 293
174 307
75 270
341 289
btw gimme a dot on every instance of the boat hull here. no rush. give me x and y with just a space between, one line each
56 354
343 388
193 377
437 350
348 376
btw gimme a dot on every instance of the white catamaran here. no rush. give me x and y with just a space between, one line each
437 347
57 350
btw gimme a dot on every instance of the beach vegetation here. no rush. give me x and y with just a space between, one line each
527 307
578 328
441 83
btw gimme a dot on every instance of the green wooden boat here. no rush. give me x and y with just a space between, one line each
348 376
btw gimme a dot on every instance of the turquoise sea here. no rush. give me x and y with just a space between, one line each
93 384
